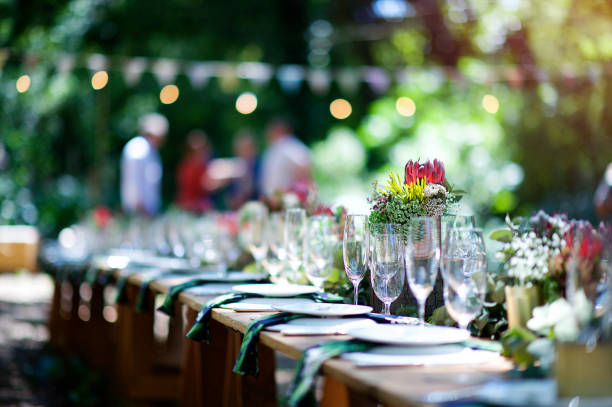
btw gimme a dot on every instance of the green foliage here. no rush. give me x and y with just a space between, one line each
515 342
406 193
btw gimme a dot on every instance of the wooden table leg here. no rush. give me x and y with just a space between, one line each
138 378
336 394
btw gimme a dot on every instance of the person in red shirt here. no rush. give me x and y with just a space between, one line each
193 185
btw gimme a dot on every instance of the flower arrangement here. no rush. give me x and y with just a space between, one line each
539 251
423 192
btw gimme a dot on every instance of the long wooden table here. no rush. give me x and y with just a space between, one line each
197 374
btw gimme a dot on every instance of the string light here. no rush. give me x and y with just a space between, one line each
340 109
169 94
490 104
246 103
405 106
99 80
23 83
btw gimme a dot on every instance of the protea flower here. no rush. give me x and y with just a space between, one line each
434 173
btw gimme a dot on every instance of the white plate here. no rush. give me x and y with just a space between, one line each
264 304
410 335
318 309
443 355
276 290
321 326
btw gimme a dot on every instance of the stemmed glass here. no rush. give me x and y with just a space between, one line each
422 259
275 256
355 249
387 275
464 264
295 233
319 249
252 230
452 221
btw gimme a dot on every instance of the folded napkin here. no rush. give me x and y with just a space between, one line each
200 331
311 361
120 284
146 281
168 306
247 361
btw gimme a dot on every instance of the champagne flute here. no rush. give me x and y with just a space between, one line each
387 276
319 249
422 259
275 256
252 229
355 250
295 233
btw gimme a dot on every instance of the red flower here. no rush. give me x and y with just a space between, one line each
413 171
102 215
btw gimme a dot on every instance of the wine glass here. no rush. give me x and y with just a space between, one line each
422 259
319 249
355 249
252 230
295 233
452 221
463 265
274 261
387 275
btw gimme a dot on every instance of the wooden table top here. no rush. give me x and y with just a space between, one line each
393 386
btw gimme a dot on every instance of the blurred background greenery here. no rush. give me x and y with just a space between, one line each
510 94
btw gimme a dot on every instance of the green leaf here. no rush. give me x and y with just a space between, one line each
501 235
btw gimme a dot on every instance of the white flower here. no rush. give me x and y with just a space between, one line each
432 190
562 318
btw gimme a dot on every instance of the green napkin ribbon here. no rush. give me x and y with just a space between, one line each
168 306
139 304
483 345
200 331
247 360
91 275
120 284
311 361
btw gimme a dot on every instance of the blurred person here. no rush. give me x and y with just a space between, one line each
193 183
603 195
246 185
286 162
141 167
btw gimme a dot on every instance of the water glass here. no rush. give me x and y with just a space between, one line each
464 264
319 249
387 275
422 260
355 249
295 234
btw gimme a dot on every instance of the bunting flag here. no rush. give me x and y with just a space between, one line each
319 80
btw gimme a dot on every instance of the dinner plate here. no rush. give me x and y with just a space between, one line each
320 326
276 290
410 335
264 304
319 309
442 355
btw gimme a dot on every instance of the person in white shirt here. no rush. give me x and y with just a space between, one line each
141 168
286 160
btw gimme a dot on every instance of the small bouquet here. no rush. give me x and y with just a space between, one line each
423 192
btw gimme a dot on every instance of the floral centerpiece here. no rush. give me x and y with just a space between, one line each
566 260
424 191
